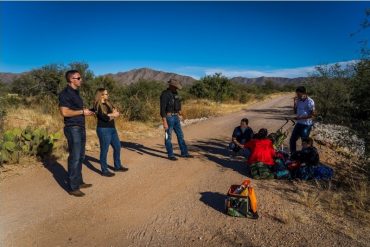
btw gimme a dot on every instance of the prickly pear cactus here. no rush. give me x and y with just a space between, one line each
9 136
27 142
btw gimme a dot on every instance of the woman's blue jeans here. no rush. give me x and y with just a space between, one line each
107 137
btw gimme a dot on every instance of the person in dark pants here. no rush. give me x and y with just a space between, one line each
308 155
308 158
304 108
107 132
241 135
72 109
170 110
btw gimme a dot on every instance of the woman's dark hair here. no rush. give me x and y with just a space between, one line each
244 120
70 73
301 89
262 134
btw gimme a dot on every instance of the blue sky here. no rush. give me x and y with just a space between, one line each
193 38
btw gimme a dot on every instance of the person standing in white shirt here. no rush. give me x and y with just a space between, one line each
304 108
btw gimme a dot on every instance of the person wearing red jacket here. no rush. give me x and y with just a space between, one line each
261 160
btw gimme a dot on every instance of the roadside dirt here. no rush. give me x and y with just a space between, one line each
164 203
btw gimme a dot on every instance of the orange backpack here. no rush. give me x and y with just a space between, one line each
242 201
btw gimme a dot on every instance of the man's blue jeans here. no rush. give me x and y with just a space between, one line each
246 152
76 138
299 131
109 136
174 124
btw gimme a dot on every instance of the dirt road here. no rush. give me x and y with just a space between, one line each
164 203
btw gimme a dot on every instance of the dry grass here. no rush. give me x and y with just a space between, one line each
350 187
310 199
283 217
340 204
345 199
134 130
204 108
290 217
193 109
23 117
199 108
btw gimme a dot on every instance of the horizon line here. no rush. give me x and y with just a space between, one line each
197 72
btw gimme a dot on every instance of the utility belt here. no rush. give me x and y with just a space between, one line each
172 113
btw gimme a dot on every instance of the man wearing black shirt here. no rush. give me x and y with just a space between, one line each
72 109
170 109
241 135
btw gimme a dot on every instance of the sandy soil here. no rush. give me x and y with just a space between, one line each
163 203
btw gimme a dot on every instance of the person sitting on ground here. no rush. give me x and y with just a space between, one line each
307 159
261 159
308 155
241 135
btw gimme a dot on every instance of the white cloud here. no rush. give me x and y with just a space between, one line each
197 72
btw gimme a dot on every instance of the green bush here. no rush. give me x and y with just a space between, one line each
330 87
244 98
341 96
214 87
140 101
46 80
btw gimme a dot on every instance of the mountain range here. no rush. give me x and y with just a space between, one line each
135 75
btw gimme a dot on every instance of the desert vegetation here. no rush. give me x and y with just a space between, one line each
31 100
341 96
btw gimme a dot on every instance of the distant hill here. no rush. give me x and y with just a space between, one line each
135 75
263 79
9 77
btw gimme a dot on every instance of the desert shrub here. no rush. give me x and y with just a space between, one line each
289 87
215 87
341 95
270 87
244 98
2 118
360 91
140 101
4 89
330 86
39 104
7 101
46 80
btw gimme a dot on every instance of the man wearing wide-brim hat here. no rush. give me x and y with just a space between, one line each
170 113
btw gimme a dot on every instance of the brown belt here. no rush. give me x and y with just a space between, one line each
172 114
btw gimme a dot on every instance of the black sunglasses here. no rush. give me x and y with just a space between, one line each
77 78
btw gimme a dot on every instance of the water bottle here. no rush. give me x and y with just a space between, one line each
242 187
